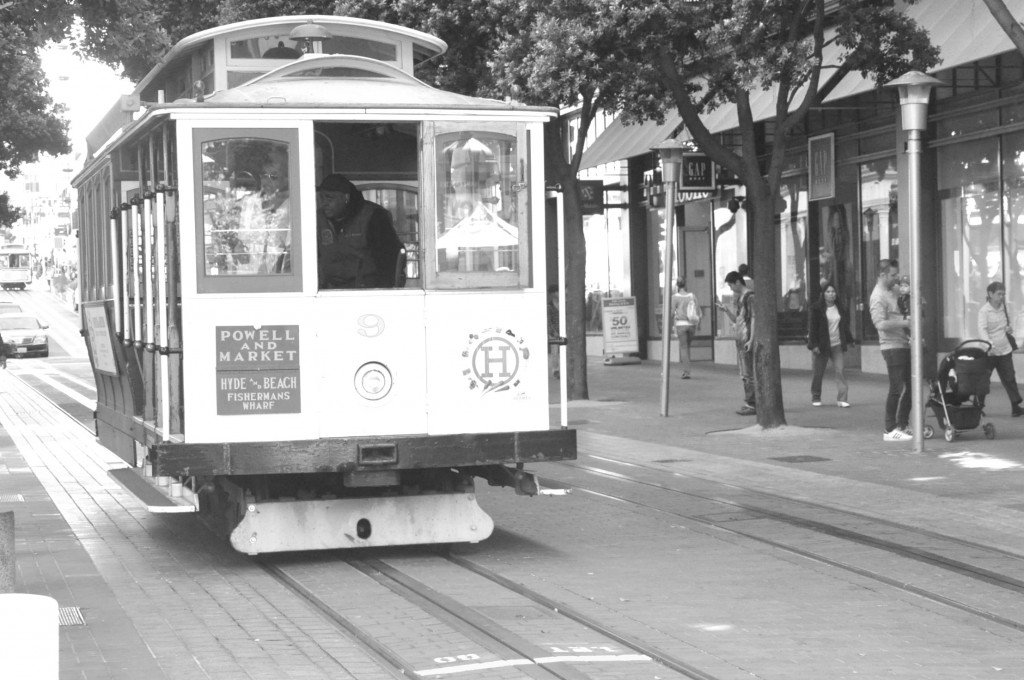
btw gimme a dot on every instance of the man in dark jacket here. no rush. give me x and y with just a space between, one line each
357 243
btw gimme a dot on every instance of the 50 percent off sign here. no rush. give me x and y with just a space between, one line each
618 317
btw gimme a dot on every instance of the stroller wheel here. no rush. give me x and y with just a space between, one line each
990 431
928 432
950 434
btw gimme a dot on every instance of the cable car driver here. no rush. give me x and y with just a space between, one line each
357 243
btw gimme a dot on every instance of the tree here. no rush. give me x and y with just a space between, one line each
568 56
720 53
30 122
134 34
8 213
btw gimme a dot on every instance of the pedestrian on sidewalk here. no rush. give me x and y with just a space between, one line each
828 337
894 340
686 316
742 318
994 328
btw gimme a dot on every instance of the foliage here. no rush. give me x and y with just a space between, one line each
8 213
30 122
722 52
134 34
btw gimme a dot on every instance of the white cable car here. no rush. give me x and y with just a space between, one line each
15 266
320 377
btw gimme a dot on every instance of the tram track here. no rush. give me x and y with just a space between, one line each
438 590
925 548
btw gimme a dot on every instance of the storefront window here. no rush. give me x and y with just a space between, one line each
1013 187
656 269
730 240
607 238
879 228
972 250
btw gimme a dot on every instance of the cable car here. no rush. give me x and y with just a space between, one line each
309 376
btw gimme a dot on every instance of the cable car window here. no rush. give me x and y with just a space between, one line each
283 47
248 212
482 219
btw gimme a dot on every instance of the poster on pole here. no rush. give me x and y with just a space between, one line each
618 317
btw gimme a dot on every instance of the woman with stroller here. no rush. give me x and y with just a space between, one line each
828 337
993 327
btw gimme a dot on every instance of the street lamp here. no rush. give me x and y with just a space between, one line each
671 152
915 90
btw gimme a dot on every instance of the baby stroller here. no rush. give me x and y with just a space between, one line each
960 390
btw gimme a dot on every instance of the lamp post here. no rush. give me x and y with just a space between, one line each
671 152
915 90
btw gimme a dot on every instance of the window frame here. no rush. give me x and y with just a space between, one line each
248 283
434 279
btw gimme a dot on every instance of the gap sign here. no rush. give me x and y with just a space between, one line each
257 370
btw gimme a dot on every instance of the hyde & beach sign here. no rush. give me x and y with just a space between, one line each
257 370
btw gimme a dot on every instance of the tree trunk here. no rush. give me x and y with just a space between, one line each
767 374
575 287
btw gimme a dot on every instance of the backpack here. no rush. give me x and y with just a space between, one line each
693 311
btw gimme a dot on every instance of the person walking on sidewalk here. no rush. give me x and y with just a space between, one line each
993 326
894 339
686 317
742 317
828 337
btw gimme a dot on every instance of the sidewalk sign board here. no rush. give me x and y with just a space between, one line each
618 322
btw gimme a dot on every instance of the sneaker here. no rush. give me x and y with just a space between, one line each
685 376
843 404
897 435
816 402
1017 410
747 410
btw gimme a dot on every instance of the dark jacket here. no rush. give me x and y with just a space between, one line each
359 249
817 331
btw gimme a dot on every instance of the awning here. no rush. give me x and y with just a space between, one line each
619 141
964 31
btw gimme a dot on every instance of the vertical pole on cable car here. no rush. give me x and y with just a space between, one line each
115 266
126 220
161 277
563 378
161 340
136 334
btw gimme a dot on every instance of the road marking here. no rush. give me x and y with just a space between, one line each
483 665
60 387
540 661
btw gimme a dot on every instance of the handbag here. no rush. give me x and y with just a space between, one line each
1009 333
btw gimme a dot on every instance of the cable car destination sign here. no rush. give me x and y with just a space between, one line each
257 370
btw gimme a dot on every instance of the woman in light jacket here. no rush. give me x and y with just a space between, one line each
828 337
993 324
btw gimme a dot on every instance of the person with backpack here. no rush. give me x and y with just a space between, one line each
686 316
742 318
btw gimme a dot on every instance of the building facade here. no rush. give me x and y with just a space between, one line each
835 225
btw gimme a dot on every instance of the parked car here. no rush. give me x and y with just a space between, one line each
24 335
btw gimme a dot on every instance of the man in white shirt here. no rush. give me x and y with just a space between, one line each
993 325
894 339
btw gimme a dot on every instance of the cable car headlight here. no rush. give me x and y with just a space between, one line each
373 381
